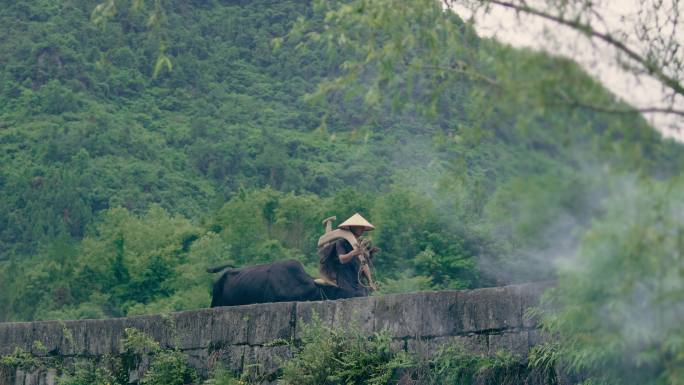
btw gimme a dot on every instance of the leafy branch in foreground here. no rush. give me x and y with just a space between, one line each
619 304
416 54
646 43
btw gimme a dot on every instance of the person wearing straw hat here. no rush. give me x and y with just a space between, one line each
343 261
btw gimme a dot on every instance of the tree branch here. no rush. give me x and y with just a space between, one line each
611 110
571 102
650 67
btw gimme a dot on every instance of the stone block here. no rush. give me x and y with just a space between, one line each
537 337
74 337
276 323
266 359
398 345
48 333
19 378
23 335
531 294
476 344
31 378
42 379
138 372
230 357
103 336
305 311
401 314
441 313
515 343
357 313
90 337
419 347
193 328
51 377
12 334
161 328
253 324
198 359
7 375
495 308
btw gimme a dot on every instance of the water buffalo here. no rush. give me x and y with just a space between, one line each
279 281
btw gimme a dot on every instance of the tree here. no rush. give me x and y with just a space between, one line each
619 294
156 17
423 39
617 307
632 46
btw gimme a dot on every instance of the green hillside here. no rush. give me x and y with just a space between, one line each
122 180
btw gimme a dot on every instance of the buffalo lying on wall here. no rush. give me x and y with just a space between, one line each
279 281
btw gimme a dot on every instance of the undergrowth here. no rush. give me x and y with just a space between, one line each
347 356
342 356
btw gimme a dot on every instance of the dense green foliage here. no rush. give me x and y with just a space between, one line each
625 328
239 166
122 179
119 187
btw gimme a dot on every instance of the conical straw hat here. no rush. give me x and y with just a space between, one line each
356 220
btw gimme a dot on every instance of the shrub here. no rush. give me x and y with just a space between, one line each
170 367
344 356
86 372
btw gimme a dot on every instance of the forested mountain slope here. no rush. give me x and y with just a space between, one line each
123 177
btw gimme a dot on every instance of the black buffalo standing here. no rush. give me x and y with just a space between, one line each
279 281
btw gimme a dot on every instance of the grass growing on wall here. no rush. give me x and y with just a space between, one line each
323 356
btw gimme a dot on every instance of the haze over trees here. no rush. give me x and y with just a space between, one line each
125 175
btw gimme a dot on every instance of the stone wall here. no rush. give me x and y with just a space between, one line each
484 320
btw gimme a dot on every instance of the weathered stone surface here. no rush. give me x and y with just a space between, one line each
401 314
136 374
103 336
230 357
483 321
355 312
441 313
51 377
475 343
324 310
493 308
49 333
530 295
538 337
197 326
398 345
198 358
513 342
19 378
266 360
253 324
6 375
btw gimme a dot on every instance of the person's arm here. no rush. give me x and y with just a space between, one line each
344 255
346 258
